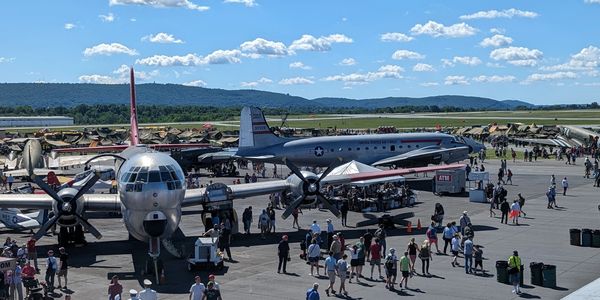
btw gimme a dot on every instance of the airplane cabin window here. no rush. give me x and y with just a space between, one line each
154 176
340 150
366 148
375 147
136 169
349 149
170 185
400 146
417 146
358 149
408 146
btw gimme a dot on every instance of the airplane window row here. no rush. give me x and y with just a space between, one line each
392 148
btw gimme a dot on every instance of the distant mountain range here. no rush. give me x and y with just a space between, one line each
72 94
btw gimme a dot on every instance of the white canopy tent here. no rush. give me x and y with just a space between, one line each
355 167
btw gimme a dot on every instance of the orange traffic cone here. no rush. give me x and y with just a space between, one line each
409 227
418 224
163 278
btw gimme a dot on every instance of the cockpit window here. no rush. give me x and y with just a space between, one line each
154 176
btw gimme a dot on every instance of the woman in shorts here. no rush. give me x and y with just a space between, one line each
314 254
354 263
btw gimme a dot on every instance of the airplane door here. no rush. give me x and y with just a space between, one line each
392 148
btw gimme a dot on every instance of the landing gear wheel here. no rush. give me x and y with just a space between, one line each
149 267
63 237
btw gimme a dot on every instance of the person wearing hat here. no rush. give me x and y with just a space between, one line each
514 271
197 289
51 267
463 221
115 289
336 247
283 251
211 277
147 293
212 293
133 295
63 267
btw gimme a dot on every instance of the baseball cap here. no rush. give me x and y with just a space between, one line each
147 282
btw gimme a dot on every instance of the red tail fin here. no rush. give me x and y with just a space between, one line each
134 138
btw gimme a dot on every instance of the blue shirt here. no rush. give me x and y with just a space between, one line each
330 264
468 248
448 232
312 294
329 227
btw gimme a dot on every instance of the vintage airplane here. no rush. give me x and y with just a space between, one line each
259 143
152 192
14 219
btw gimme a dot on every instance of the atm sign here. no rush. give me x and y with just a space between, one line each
444 178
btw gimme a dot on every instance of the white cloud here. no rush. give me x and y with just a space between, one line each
587 59
161 4
261 46
592 1
494 78
348 62
109 49
435 29
295 81
310 43
299 65
406 54
69 26
6 59
550 76
223 57
107 18
248 3
497 30
518 56
396 37
427 84
133 19
495 41
423 68
253 84
162 38
164 60
196 83
121 76
465 60
456 80
386 71
507 13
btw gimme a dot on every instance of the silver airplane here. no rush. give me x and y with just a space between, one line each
259 143
152 192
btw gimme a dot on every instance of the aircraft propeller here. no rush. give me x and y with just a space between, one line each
310 187
65 206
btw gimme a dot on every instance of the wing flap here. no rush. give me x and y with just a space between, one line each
433 154
238 191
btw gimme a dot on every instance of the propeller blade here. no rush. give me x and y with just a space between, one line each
294 169
88 185
329 169
288 210
30 164
367 222
328 205
89 227
42 231
46 188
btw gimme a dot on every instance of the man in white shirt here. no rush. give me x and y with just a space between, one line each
316 229
197 289
147 293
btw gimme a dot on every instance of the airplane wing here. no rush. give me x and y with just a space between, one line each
74 160
118 148
259 158
349 178
198 196
39 172
92 202
29 224
425 156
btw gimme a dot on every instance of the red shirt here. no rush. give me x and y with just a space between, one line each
28 272
31 246
375 251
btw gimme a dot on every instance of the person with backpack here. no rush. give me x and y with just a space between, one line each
425 256
51 267
391 269
432 236
521 200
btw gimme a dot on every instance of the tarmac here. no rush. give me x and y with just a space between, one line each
543 236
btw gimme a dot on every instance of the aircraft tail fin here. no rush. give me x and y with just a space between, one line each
254 130
134 138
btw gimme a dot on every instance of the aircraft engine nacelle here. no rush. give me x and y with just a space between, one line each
299 188
68 207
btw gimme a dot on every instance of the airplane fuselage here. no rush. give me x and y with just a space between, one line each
367 149
151 187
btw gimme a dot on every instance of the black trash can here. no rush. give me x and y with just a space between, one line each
586 237
575 235
549 276
502 271
596 238
536 273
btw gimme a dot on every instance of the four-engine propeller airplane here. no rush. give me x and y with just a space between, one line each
152 192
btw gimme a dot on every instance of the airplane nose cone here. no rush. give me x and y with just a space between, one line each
312 188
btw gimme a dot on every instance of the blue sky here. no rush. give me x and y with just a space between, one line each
522 50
